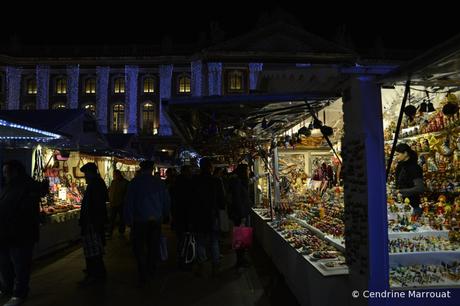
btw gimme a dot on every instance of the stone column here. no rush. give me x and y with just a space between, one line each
13 87
43 86
73 74
215 79
102 87
254 71
165 93
365 187
197 78
131 73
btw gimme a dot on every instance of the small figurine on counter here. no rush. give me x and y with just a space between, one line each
426 145
432 167
440 205
425 205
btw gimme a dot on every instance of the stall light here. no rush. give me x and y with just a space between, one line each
22 127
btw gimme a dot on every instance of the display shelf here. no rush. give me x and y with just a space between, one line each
318 264
336 242
437 133
429 254
423 233
258 212
440 285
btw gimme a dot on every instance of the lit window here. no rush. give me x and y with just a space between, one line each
90 108
119 86
235 81
59 106
61 86
118 117
29 106
148 118
149 85
32 87
184 84
90 86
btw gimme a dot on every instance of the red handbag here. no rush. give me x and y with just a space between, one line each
242 237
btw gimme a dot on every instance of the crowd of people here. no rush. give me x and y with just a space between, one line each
194 204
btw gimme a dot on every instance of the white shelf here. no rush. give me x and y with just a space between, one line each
336 242
318 264
438 133
444 284
257 212
423 233
428 253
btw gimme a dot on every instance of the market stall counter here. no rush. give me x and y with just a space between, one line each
61 230
312 282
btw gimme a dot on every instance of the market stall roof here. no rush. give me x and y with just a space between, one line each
121 145
119 141
79 127
438 67
201 120
10 130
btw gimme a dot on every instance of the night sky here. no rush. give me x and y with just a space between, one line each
393 26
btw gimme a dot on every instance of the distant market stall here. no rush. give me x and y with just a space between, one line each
58 161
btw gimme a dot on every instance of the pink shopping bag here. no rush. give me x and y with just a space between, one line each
242 237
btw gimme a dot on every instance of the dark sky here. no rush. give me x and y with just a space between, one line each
417 28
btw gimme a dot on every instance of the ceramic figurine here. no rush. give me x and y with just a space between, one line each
431 165
440 205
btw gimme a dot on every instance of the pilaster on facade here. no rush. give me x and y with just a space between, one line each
165 93
197 78
13 87
73 75
102 87
254 71
131 77
43 84
215 79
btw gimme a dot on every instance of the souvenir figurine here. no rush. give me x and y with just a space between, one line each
431 165
426 145
440 205
445 147
425 205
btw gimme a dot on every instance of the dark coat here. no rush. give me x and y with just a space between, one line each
207 198
93 206
405 174
181 194
20 211
241 203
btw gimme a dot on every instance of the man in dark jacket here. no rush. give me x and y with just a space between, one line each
208 199
19 230
117 194
147 205
93 217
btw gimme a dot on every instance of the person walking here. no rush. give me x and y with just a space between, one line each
117 194
208 199
147 204
19 230
93 218
240 205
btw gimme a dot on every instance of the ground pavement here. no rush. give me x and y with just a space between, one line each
54 281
